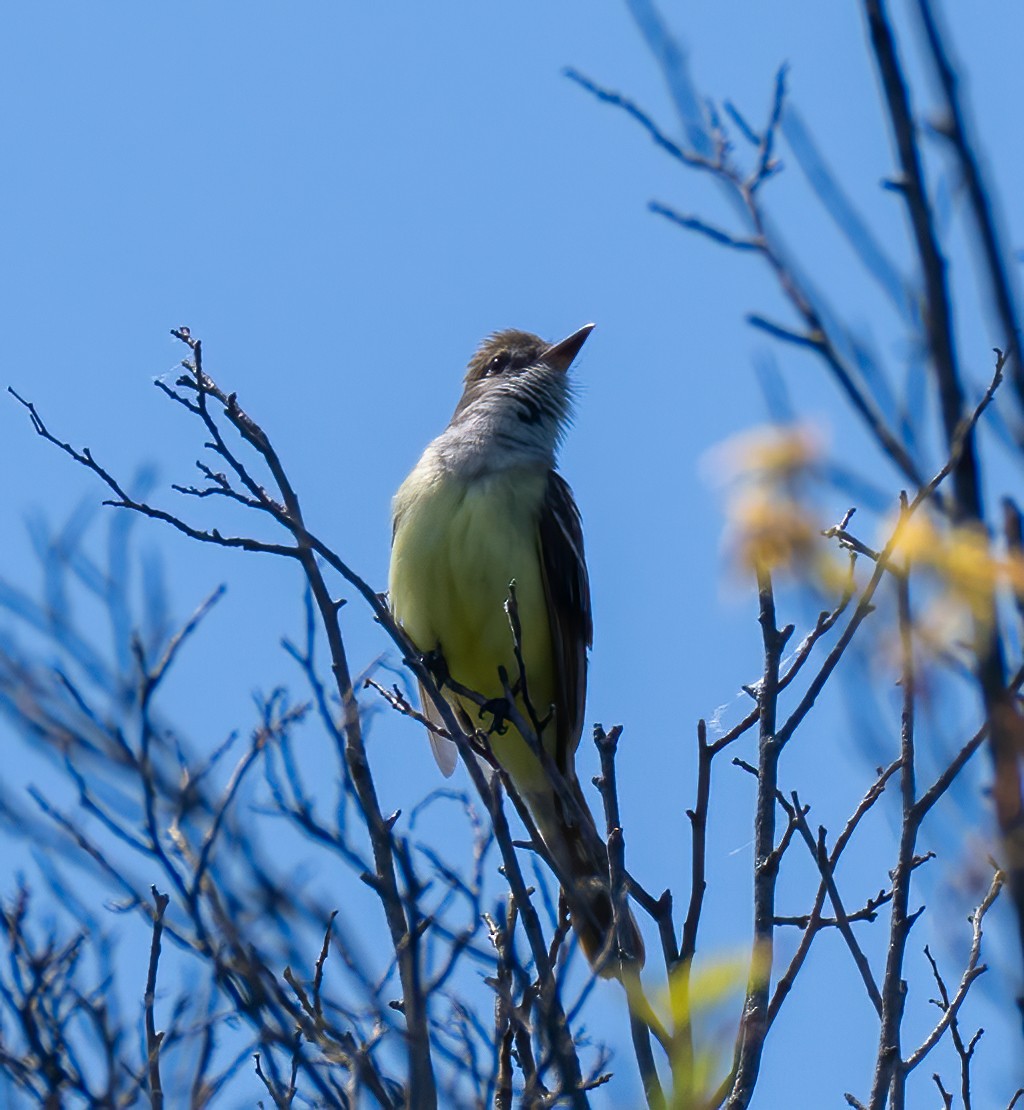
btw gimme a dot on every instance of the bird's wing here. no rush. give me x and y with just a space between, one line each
445 751
567 589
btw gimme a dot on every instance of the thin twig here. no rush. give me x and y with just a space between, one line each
971 972
154 1039
754 1023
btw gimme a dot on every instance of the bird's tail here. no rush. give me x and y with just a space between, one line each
582 861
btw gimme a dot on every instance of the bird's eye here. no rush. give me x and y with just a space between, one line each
497 364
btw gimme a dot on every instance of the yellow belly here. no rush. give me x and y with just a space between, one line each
456 548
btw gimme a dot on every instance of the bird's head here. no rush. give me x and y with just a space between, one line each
517 390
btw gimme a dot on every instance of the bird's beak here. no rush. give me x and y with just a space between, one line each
559 355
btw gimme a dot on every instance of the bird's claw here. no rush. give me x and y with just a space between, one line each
499 711
437 665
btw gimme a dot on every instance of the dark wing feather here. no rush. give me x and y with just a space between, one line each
567 588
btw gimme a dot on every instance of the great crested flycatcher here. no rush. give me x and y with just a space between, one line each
485 507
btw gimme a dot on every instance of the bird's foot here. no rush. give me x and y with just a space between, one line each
437 665
499 710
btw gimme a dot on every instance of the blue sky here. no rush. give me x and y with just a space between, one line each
341 200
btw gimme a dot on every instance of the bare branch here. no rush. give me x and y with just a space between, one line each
955 130
971 972
754 1023
153 1038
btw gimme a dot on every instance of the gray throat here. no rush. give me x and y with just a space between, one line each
479 442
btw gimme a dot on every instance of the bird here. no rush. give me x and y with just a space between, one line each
484 509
